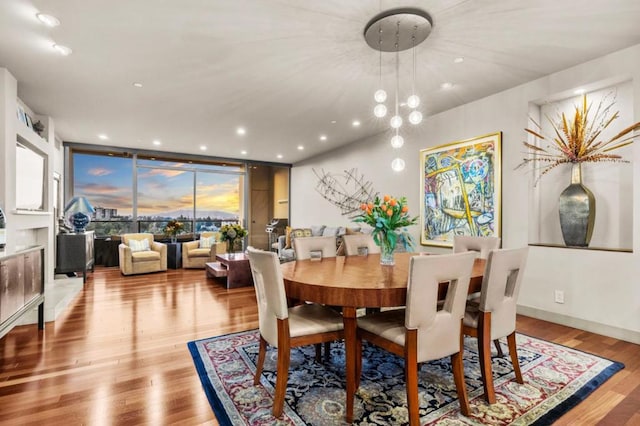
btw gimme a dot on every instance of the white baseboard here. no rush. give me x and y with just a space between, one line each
593 327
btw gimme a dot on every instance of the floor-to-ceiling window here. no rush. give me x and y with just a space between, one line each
106 181
134 192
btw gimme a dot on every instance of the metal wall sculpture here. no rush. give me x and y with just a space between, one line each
460 190
347 190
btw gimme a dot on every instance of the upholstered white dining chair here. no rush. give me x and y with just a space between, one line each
422 332
355 243
482 245
306 246
283 327
492 315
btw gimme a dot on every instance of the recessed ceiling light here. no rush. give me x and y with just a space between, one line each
243 152
157 142
333 121
48 20
458 60
279 155
323 137
103 137
203 148
355 123
446 85
300 147
63 50
110 154
137 84
579 91
241 131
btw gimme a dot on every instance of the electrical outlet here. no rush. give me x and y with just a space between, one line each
559 296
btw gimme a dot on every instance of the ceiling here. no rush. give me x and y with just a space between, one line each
283 69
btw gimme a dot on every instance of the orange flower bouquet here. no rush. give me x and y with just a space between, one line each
389 218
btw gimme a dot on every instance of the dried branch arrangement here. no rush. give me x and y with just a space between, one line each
576 140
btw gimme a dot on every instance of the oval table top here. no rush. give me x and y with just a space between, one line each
356 281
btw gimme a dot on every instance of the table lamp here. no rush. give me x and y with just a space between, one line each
78 213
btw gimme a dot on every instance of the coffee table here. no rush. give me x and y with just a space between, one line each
234 266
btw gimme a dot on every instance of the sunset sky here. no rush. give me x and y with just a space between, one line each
107 182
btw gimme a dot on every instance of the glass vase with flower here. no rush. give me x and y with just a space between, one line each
172 229
231 233
389 218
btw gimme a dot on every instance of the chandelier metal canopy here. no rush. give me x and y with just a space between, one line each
396 30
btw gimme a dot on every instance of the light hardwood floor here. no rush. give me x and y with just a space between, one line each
118 355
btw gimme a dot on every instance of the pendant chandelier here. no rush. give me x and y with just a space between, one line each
396 30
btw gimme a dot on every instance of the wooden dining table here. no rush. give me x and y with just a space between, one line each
354 282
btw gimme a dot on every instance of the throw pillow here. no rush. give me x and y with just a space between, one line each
330 232
139 245
287 238
316 231
207 242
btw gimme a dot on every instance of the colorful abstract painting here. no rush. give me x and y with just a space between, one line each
460 190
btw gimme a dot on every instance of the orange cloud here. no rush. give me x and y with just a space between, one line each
100 171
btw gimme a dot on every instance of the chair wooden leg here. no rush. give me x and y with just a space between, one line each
458 378
358 358
498 348
513 352
282 373
261 355
327 352
484 352
318 347
411 376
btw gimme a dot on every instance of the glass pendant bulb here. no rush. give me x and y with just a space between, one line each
380 110
396 121
380 95
397 141
397 165
413 101
415 117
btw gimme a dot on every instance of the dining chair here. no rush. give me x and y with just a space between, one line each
493 315
283 327
307 247
482 245
422 332
354 244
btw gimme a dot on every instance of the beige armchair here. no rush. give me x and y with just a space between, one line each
151 259
195 257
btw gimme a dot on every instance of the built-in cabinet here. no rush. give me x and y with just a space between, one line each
21 287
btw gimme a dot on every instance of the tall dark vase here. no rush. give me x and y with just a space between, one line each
577 211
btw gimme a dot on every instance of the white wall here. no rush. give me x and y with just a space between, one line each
602 289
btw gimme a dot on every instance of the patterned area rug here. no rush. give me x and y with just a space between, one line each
556 379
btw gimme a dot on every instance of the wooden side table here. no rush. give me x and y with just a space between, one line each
233 266
174 255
